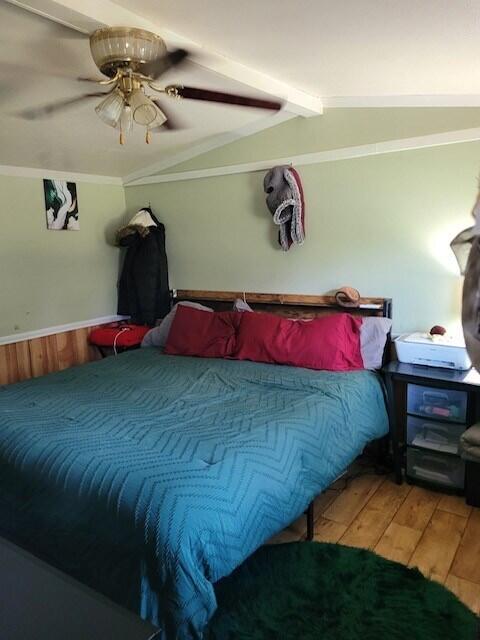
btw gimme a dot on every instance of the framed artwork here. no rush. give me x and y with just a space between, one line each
61 205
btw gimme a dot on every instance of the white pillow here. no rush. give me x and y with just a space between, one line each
373 336
241 305
158 336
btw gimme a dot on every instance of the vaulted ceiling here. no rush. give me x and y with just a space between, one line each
307 52
339 47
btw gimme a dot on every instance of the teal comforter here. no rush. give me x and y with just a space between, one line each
150 477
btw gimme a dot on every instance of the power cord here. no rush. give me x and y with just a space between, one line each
122 330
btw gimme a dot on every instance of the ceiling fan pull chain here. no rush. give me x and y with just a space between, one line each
122 137
147 136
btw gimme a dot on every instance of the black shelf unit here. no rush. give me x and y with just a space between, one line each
457 394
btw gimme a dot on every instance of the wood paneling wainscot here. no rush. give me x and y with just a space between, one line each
15 362
38 356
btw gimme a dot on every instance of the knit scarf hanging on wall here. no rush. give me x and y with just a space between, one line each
285 202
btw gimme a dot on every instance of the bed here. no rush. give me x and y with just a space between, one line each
150 477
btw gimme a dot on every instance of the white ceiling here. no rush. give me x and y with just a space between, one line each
338 47
49 58
322 47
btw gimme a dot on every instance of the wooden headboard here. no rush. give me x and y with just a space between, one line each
290 305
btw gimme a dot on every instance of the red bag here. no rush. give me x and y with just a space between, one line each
118 335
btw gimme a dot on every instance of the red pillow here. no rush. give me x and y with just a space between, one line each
329 342
120 335
202 333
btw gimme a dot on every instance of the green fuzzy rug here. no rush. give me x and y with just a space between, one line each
314 591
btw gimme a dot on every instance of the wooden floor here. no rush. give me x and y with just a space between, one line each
435 532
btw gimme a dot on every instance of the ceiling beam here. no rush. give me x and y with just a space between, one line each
88 15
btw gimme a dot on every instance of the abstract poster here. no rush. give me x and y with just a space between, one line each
61 205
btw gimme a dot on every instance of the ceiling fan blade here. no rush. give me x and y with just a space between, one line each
193 93
172 123
53 107
19 71
158 67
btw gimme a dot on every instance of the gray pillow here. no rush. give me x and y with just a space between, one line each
373 336
158 336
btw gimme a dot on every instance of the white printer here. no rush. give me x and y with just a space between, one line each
433 351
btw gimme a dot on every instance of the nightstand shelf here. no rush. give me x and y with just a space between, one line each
429 409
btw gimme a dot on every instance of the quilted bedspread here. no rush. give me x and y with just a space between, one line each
150 477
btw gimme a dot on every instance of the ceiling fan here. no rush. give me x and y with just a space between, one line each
133 60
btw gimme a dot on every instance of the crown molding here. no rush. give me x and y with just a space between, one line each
31 172
345 153
145 175
407 101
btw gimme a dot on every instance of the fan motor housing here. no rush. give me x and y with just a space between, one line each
124 47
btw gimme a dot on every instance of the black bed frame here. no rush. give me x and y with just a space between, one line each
299 306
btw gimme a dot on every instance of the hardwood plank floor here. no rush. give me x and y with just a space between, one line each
353 498
438 533
370 524
398 543
468 592
417 509
467 561
328 530
454 504
437 547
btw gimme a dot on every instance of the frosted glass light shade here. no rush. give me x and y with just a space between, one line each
114 47
110 109
143 110
126 119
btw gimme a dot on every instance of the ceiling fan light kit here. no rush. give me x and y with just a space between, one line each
121 109
133 60
122 53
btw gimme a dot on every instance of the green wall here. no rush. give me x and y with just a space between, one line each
381 224
49 278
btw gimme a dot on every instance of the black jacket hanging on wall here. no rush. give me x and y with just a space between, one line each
143 290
